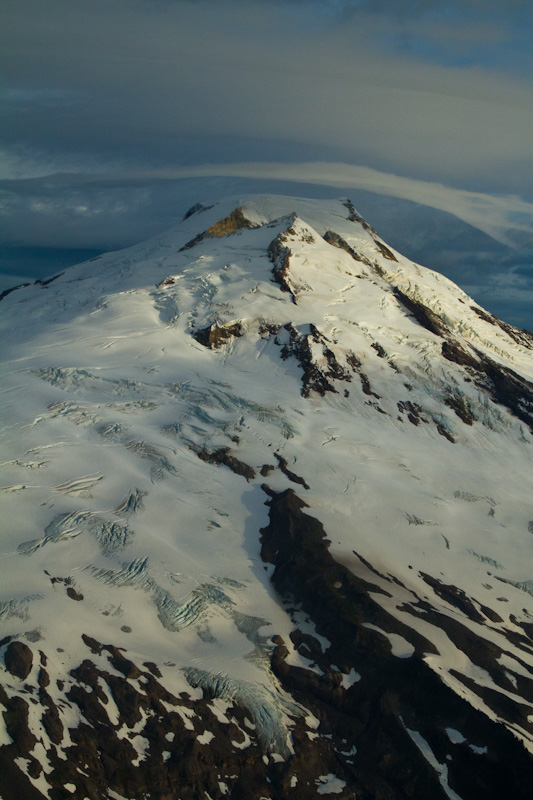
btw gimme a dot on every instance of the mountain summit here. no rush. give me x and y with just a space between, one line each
267 527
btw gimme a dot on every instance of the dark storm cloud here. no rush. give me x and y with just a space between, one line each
130 78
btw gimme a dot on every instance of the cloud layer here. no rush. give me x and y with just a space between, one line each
139 82
507 219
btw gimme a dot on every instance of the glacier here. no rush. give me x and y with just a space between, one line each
266 521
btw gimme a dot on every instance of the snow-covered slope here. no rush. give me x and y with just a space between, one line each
184 423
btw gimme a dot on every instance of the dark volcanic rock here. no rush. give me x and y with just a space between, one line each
234 222
424 315
279 254
7 292
456 597
395 699
333 238
519 335
196 209
502 384
18 659
415 413
51 720
223 456
317 377
388 254
216 335
460 405
354 216
73 594
292 476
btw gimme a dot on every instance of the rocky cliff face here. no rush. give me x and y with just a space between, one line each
267 528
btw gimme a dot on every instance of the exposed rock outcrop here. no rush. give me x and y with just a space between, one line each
234 222
18 659
396 703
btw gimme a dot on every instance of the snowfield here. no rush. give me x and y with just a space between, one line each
266 521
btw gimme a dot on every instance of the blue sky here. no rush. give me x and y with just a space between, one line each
118 113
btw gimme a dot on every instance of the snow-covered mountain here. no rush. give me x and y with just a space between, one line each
267 524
